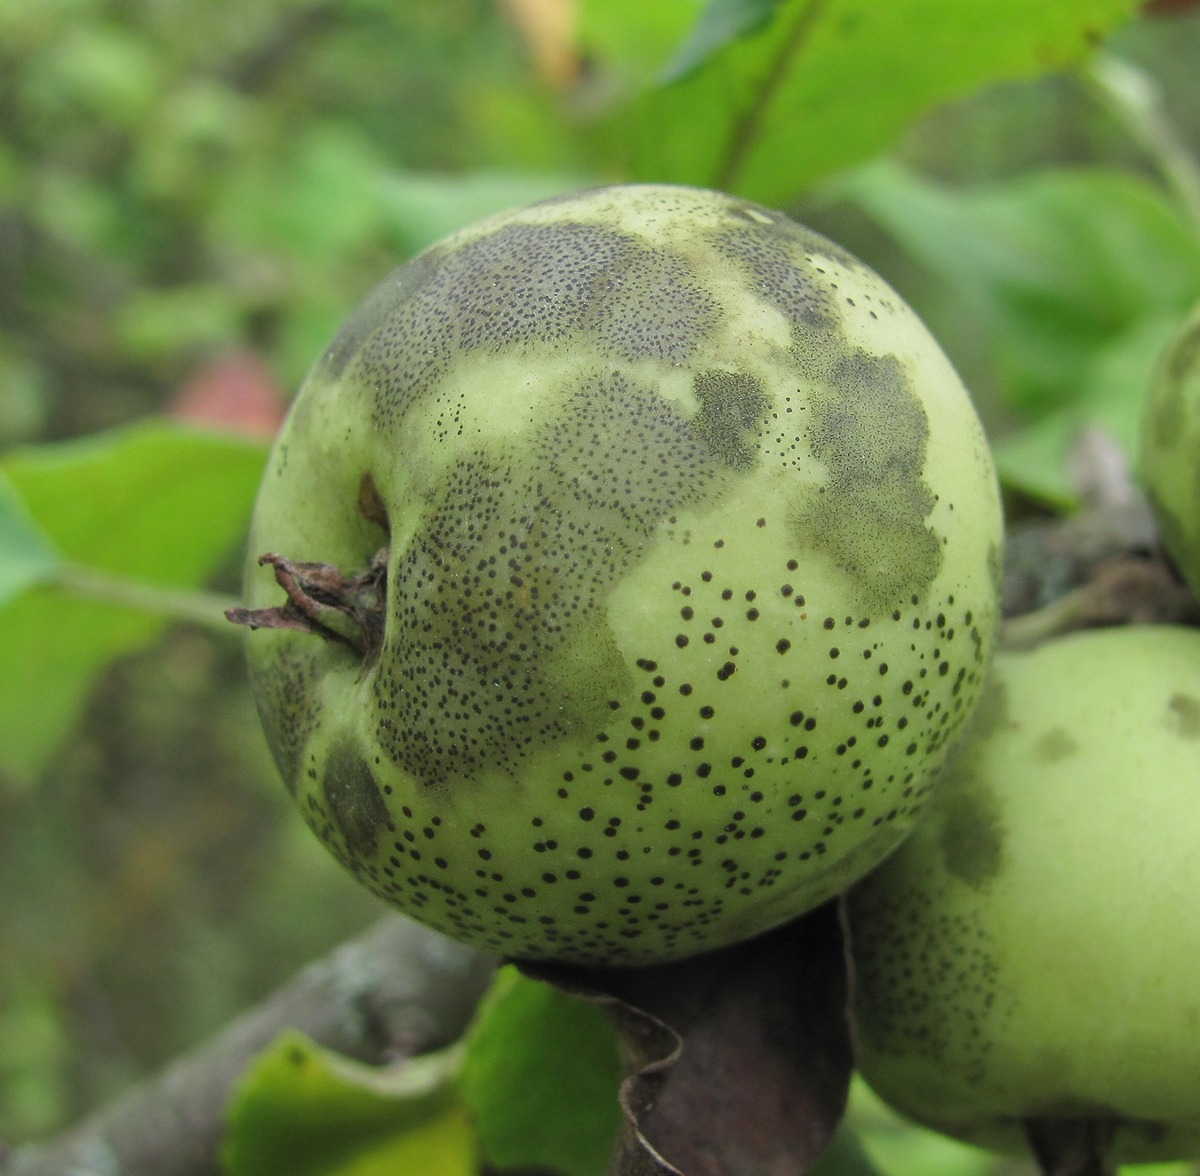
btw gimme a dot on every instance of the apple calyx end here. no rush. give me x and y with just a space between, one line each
348 610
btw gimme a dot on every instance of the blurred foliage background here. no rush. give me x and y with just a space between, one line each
194 195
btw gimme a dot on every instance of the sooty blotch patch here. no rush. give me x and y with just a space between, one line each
651 306
870 431
1056 744
522 285
1168 420
1184 712
767 255
616 449
495 646
971 835
799 239
1185 353
401 286
732 406
923 974
285 687
354 799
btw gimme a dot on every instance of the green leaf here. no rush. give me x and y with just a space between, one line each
846 1156
829 83
1054 266
894 1145
720 23
423 208
26 556
1035 459
157 500
541 1076
157 505
155 322
316 200
634 39
301 1110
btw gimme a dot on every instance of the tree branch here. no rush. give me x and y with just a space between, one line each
397 990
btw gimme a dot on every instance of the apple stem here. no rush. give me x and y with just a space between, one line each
176 604
1072 1147
348 610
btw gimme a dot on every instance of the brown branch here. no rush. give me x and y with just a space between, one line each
397 990
1103 566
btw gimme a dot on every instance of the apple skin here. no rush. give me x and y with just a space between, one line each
693 548
1032 951
1170 442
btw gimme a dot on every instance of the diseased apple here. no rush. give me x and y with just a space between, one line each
1028 959
656 543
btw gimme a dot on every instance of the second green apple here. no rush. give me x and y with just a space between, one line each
1032 952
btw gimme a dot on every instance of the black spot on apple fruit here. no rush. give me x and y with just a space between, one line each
355 800
972 835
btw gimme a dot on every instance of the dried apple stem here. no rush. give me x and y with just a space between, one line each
321 600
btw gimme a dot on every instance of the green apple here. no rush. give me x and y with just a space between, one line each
1169 460
662 540
1031 955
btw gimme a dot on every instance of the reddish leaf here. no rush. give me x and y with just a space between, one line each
236 393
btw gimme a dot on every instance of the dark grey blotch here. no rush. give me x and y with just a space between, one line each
372 314
519 287
772 259
993 713
1057 744
970 833
870 431
497 643
971 837
1184 354
354 799
733 407
1185 715
284 688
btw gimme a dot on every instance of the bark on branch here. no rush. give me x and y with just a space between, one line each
397 990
